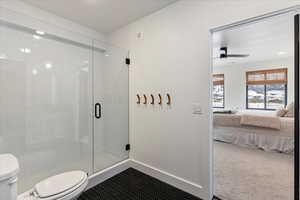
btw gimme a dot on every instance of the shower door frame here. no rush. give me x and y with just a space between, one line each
69 37
293 10
92 102
126 61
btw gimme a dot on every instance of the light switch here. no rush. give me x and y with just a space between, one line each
197 109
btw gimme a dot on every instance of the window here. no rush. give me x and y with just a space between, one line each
266 89
218 91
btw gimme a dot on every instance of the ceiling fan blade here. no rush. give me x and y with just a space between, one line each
238 55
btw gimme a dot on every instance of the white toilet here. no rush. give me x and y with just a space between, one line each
66 186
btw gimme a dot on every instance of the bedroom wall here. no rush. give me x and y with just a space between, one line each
170 52
235 94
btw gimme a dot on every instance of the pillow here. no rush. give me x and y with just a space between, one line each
281 112
290 110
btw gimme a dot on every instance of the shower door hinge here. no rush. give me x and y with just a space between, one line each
127 61
127 147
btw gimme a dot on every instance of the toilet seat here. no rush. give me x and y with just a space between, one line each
61 187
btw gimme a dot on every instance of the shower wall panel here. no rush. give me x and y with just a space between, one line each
45 118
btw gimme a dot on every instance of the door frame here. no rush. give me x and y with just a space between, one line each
296 11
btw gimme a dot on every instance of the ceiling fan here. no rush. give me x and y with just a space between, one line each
224 54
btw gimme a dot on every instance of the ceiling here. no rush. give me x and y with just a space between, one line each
265 40
102 15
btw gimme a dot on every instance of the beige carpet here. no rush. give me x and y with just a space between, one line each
252 174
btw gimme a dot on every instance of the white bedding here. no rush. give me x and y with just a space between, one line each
244 137
228 128
234 120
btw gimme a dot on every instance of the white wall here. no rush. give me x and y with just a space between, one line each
15 10
173 56
235 79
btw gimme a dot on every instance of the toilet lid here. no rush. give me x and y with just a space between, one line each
59 183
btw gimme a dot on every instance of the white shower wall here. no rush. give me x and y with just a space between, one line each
44 117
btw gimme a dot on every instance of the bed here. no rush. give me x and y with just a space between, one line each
258 129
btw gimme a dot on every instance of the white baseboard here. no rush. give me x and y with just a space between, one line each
107 173
180 183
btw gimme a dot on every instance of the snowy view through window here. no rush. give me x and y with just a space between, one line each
218 95
275 96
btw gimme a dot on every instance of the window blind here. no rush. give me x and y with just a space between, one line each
265 77
218 79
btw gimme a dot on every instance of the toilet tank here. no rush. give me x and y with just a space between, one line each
9 168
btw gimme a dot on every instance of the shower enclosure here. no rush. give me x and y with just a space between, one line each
63 99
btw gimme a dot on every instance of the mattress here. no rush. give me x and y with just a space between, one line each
227 128
233 120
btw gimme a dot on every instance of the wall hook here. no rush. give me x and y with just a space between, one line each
152 99
169 99
145 99
160 99
139 99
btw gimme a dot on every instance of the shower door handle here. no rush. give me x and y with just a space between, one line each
98 110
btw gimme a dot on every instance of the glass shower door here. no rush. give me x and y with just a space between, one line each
111 112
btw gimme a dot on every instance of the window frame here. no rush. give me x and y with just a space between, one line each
265 83
222 83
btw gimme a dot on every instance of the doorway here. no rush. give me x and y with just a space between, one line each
255 79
